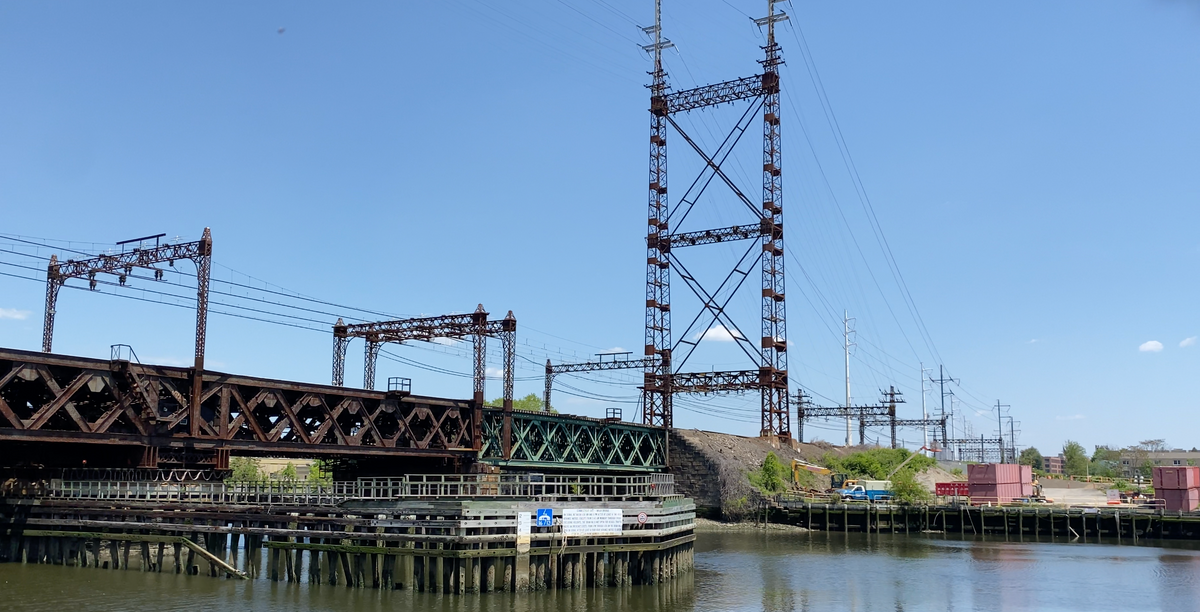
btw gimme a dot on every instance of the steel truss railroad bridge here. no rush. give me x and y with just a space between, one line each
70 411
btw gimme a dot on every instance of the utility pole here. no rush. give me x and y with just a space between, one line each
924 412
941 381
1000 428
846 326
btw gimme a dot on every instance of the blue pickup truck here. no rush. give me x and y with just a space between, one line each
866 490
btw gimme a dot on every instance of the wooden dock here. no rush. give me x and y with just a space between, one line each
1133 524
404 533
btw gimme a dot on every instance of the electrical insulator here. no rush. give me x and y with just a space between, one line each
121 279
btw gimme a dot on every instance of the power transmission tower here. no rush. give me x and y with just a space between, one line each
663 375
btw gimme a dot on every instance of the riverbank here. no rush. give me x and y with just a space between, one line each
711 526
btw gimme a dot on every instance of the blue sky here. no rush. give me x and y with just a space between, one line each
1031 167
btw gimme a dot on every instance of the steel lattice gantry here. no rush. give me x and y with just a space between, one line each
475 326
665 359
122 265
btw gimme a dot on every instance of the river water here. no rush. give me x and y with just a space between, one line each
768 571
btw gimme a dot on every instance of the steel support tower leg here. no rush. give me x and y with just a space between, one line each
549 387
776 418
341 342
203 271
656 387
480 321
53 284
370 357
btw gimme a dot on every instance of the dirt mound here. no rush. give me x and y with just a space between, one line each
711 467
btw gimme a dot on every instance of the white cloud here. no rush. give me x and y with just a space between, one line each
1033 341
13 313
1186 342
493 373
446 341
1072 417
718 333
1152 346
615 349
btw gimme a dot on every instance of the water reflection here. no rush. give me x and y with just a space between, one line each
775 572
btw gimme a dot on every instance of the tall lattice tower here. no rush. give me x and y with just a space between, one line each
663 376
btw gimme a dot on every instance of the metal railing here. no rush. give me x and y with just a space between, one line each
515 485
420 486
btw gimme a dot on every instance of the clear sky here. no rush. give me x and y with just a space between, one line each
1031 166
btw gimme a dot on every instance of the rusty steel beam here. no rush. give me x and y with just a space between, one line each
714 94
724 234
734 381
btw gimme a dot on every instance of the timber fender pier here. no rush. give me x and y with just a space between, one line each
1119 523
441 533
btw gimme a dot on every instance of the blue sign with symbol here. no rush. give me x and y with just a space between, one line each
545 517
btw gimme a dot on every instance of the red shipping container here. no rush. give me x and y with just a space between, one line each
995 493
1189 477
981 473
1179 477
1156 478
1170 478
998 473
1026 489
1186 500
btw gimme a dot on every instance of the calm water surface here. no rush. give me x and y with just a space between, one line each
735 571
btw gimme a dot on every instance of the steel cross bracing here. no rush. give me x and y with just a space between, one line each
663 376
120 403
122 265
56 398
617 363
547 441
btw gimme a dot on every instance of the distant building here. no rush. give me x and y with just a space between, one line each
1132 460
1053 465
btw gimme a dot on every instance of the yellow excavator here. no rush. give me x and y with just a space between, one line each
798 465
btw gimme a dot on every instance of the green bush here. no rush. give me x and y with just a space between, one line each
772 477
244 469
876 463
906 489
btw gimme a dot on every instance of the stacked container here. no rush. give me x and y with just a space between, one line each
1178 486
998 483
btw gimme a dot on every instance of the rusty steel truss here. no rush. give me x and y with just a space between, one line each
55 398
544 441
122 265
663 375
475 326
48 398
